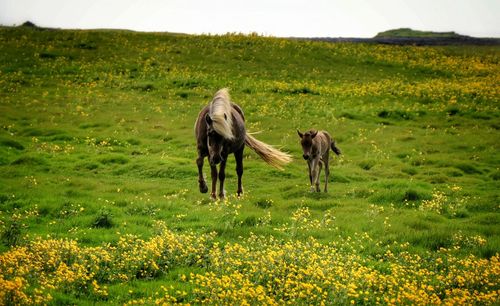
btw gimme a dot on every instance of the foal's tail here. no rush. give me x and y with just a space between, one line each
270 155
335 148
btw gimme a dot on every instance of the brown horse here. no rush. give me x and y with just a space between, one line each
220 131
316 147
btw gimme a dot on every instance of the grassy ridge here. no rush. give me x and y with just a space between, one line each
407 32
96 142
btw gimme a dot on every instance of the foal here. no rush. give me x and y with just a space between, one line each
316 147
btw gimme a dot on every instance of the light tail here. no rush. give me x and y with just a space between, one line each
270 155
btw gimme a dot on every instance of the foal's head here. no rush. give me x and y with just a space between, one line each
214 143
306 140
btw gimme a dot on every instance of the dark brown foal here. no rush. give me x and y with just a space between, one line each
316 150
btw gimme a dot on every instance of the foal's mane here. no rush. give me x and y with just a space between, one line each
220 113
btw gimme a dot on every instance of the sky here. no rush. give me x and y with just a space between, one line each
281 18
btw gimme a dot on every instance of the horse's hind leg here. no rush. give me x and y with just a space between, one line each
327 170
201 180
238 155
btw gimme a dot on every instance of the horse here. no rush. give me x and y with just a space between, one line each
316 146
220 131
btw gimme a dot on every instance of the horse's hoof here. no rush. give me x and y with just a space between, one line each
203 188
222 195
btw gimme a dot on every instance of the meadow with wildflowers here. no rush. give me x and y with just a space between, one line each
99 202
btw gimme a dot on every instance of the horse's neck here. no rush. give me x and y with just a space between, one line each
237 109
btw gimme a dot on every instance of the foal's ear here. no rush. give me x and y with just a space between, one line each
300 134
314 134
208 119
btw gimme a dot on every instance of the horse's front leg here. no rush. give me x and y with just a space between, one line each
314 173
310 172
213 171
320 166
222 177
201 180
238 155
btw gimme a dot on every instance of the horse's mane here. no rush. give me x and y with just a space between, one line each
220 113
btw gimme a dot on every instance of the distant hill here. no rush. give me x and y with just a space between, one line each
407 36
29 24
408 33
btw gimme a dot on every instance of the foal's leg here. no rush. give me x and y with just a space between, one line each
314 172
310 173
326 160
238 155
213 170
310 166
320 165
201 180
222 177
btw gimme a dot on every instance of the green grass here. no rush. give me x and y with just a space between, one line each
97 141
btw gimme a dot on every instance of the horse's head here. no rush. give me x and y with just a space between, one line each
214 143
306 140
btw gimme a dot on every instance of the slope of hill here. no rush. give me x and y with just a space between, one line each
99 200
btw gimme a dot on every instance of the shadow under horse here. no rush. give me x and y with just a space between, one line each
220 131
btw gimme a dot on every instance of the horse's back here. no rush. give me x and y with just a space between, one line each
328 137
200 131
329 142
238 125
200 123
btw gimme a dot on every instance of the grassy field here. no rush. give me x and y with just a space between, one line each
99 200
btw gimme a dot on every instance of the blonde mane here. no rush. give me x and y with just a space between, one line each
220 113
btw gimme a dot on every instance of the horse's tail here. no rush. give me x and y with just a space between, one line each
335 148
270 155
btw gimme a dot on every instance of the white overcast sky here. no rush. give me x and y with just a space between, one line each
299 18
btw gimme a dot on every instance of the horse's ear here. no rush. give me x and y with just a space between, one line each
300 134
208 119
314 134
